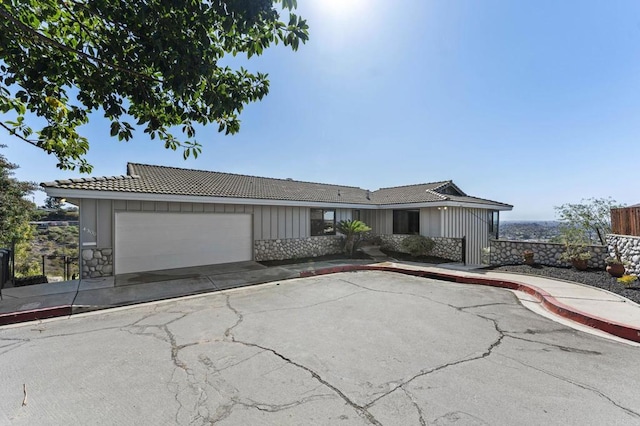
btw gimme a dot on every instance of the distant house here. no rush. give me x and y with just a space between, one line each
159 217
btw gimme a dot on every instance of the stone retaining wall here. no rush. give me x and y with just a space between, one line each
296 248
629 248
446 248
97 262
504 252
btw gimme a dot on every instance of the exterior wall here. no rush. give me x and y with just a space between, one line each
380 221
629 248
458 222
505 252
96 262
430 222
297 248
446 248
96 249
270 223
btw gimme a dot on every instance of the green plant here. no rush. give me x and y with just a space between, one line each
353 231
418 245
627 279
574 254
616 259
591 218
153 66
575 246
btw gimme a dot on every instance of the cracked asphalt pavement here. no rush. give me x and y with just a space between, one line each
355 348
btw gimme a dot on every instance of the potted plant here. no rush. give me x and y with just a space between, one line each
527 255
615 264
577 254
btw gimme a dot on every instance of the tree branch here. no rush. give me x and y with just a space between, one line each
12 132
66 48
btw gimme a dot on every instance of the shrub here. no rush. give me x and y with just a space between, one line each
418 245
353 231
627 279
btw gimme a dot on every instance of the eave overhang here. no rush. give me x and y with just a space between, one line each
76 194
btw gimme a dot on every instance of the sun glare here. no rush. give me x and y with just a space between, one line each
339 22
340 8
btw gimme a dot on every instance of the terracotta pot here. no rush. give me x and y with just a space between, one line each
580 264
615 269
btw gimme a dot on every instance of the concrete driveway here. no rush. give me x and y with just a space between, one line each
352 348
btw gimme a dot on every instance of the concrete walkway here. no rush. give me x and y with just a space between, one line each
586 305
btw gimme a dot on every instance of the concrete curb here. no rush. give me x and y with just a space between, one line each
34 314
548 301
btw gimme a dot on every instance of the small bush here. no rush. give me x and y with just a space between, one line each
418 245
627 279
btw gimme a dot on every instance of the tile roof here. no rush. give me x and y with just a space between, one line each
149 179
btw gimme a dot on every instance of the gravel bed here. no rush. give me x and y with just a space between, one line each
593 277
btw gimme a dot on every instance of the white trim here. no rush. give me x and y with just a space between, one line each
140 196
443 204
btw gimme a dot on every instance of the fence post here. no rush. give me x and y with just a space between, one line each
464 250
13 262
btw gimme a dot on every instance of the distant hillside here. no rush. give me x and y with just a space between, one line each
529 230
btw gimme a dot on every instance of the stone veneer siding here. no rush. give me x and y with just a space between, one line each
504 252
97 262
446 248
629 248
297 248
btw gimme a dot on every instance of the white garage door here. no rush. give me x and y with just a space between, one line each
155 241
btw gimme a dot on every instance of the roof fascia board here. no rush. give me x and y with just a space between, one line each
141 196
446 204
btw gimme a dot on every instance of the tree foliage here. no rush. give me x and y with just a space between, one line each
154 64
588 221
53 203
15 213
353 231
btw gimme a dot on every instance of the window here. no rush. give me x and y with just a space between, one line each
406 221
356 215
494 219
323 222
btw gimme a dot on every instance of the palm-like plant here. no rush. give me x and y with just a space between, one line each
352 231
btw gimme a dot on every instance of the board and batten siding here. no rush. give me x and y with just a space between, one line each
269 222
95 222
430 222
380 221
458 222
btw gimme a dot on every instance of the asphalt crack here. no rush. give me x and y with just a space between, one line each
309 306
577 384
553 345
362 411
423 373
417 407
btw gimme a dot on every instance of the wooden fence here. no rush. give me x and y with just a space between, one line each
626 221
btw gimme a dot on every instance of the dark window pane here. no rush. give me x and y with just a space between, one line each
323 222
406 221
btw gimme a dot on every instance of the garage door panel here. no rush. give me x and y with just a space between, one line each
154 241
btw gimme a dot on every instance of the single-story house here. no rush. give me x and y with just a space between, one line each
158 217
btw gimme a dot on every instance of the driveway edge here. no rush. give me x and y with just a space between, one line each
624 331
34 314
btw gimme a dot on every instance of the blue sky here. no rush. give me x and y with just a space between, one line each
532 103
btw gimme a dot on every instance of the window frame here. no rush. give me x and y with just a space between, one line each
494 223
312 228
415 221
